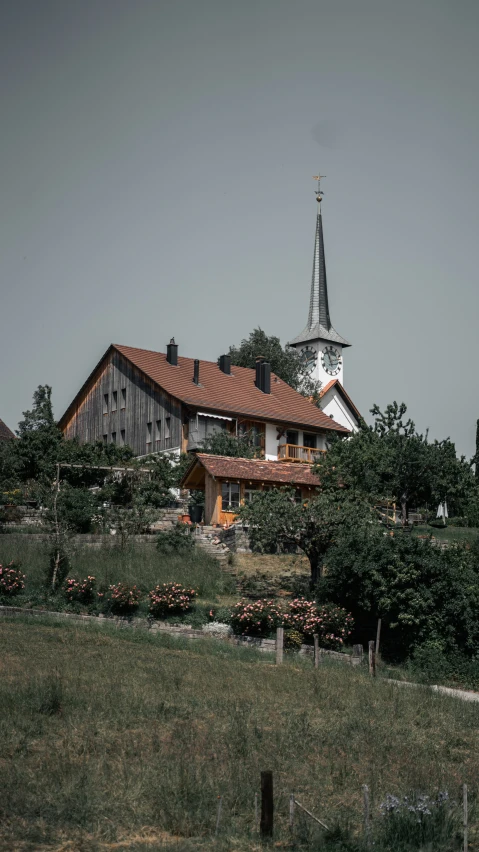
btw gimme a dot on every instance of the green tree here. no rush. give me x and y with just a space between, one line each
285 362
223 443
423 594
390 460
37 449
277 517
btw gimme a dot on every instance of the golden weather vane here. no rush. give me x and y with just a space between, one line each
319 192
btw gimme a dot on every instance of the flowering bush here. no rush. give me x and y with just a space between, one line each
170 599
12 581
123 599
80 591
332 623
256 618
417 821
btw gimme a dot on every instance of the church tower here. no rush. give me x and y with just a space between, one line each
319 344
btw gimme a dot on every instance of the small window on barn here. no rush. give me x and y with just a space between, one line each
105 439
114 401
148 436
158 434
167 426
122 437
105 403
113 437
230 496
123 398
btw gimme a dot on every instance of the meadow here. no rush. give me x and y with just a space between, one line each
126 740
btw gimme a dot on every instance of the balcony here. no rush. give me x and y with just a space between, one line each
295 453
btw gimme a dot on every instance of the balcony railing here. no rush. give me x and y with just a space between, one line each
292 452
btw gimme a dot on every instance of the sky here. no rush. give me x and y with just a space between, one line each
156 163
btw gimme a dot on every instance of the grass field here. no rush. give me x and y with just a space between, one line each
125 741
136 564
462 535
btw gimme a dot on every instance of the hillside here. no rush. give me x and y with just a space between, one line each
124 738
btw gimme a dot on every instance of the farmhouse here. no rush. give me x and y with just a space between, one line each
161 401
6 434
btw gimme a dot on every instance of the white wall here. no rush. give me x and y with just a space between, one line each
271 442
334 406
319 374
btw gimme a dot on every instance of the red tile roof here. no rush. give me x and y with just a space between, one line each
257 470
343 393
5 433
234 394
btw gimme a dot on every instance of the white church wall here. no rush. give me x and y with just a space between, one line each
334 407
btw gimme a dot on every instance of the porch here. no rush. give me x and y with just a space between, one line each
295 453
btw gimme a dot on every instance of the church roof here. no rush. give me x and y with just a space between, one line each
319 322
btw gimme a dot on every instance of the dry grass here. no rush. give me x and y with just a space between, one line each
252 563
123 739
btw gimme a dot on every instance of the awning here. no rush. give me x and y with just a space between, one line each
215 416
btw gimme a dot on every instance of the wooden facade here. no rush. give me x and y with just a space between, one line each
216 514
121 405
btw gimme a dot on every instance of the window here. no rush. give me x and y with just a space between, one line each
292 437
230 496
122 437
123 398
148 435
113 437
105 403
105 439
167 426
158 434
249 492
114 401
309 441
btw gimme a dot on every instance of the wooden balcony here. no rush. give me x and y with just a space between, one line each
294 453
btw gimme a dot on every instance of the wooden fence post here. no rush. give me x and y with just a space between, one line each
279 645
372 658
378 637
267 806
317 654
366 814
358 651
256 821
465 823
218 817
291 811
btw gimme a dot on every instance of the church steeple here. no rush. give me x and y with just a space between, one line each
319 325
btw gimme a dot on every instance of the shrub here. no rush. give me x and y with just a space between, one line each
80 591
123 599
176 540
332 623
12 580
256 618
170 599
416 821
293 639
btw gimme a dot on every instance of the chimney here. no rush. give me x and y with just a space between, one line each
259 361
225 364
266 377
196 372
172 353
263 375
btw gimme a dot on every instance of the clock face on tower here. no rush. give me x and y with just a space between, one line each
308 358
331 360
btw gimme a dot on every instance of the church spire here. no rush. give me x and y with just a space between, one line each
319 322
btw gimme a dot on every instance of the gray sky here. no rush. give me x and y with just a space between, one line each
155 170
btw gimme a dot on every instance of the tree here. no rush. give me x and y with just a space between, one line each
223 443
285 363
423 594
37 449
476 457
390 460
277 517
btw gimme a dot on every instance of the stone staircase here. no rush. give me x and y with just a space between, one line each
208 540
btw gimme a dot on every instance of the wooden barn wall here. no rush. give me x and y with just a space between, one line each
145 403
